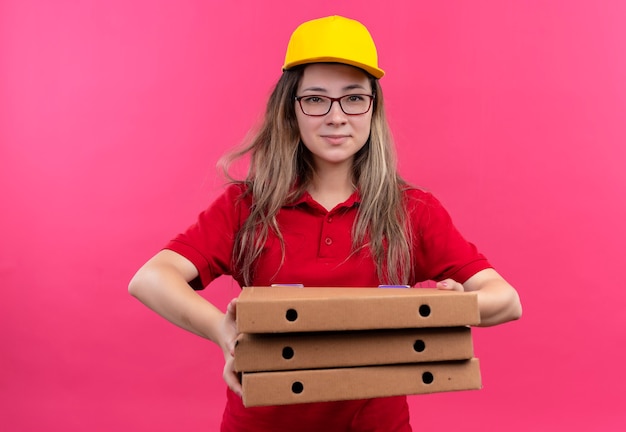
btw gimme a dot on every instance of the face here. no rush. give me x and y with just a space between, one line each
336 137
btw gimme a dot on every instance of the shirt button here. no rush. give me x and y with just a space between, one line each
329 219
328 241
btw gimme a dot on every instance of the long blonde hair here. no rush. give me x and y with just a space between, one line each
281 168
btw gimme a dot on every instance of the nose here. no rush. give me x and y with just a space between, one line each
336 114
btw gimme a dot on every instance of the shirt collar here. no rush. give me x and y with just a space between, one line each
306 198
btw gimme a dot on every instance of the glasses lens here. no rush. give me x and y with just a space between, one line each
315 105
356 104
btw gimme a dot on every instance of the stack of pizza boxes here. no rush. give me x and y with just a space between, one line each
302 345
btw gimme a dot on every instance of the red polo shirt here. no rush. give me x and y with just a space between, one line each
318 253
318 243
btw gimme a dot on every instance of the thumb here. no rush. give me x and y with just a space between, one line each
231 309
450 285
230 320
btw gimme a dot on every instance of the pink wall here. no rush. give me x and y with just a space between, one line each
113 114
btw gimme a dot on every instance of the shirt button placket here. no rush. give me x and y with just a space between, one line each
326 238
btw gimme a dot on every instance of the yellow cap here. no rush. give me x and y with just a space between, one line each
333 39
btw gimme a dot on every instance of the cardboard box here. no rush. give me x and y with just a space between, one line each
288 351
321 385
288 309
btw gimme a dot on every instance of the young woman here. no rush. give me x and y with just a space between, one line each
322 205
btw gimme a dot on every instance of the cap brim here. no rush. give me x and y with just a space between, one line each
375 72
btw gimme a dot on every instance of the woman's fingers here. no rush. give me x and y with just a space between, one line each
449 284
231 377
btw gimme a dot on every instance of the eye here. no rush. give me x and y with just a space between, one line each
355 98
313 100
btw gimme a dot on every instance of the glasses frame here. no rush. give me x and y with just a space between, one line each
338 100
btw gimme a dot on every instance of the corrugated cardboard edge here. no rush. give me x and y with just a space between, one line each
289 351
322 385
268 309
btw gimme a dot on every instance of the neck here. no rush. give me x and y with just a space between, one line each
332 185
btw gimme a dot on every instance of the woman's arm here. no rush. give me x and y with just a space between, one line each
162 285
498 301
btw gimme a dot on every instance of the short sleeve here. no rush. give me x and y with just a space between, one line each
208 243
439 250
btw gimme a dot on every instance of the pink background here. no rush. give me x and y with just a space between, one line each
114 113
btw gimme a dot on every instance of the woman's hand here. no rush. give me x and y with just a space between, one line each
498 301
450 285
227 341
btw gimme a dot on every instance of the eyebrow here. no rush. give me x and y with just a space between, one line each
323 90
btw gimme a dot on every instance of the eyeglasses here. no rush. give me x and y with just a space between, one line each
352 104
